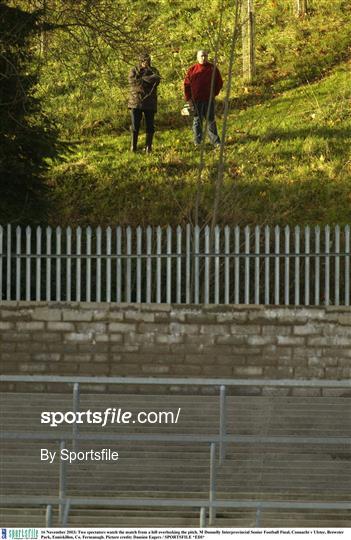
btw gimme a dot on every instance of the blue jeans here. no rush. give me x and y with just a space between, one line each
199 116
136 115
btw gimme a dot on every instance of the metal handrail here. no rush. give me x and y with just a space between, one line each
178 381
203 504
181 438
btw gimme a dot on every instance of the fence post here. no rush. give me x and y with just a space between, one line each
347 265
28 263
58 264
258 516
78 264
38 266
212 494
266 265
337 267
108 263
48 263
66 510
62 484
222 424
75 428
202 517
18 263
48 516
8 264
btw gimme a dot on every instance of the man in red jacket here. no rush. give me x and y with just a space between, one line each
197 90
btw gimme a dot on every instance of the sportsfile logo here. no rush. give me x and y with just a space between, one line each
111 415
19 534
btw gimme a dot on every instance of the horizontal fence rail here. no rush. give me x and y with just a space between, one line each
192 265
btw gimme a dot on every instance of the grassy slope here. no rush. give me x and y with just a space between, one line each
287 162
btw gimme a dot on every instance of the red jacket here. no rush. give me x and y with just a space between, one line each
197 82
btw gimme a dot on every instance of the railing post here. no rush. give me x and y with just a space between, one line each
62 484
8 264
66 510
222 423
258 516
212 494
48 516
202 517
75 428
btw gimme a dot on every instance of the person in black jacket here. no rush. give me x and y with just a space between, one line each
143 81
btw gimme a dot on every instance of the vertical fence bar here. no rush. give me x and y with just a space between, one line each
98 263
66 511
138 264
347 265
287 267
212 494
148 263
266 265
28 263
88 268
169 265
76 407
79 264
68 264
118 265
62 483
337 267
258 516
307 265
202 518
8 264
217 244
297 265
317 243
247 265
327 266
222 424
179 265
158 264
1 256
18 263
108 264
38 266
48 516
58 264
237 265
196 264
257 265
226 264
128 293
207 234
277 265
188 265
48 263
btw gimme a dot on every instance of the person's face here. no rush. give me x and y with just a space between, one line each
145 63
202 57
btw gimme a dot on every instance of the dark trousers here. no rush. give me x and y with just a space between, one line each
136 115
200 114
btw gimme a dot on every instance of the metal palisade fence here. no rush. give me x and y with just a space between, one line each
226 265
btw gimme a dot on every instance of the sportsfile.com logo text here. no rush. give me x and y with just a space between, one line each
109 416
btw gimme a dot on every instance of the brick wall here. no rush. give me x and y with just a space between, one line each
175 341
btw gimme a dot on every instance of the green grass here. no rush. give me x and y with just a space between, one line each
287 161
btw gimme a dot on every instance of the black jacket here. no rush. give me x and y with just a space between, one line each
143 88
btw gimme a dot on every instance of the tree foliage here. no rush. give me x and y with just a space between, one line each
26 135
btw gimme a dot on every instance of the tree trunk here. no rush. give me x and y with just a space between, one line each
301 7
248 42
